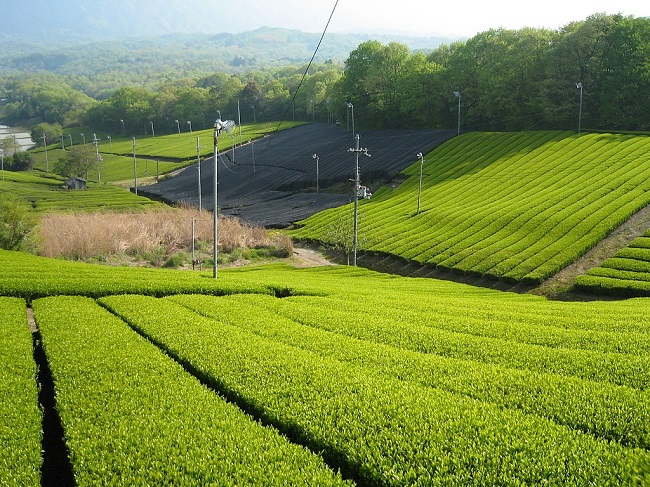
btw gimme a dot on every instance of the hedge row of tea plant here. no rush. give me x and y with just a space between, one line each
600 408
30 277
183 146
378 429
46 193
20 425
627 273
513 206
164 153
134 417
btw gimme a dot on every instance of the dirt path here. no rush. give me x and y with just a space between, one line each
308 257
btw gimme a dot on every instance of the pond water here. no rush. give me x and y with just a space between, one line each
23 137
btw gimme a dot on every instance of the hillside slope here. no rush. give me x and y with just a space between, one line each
272 182
512 206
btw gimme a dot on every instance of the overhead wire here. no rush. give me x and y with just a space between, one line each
293 99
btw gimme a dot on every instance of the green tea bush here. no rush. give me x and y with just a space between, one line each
517 207
20 426
134 417
378 429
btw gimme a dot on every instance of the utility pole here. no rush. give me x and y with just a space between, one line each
97 157
135 169
47 164
198 165
357 188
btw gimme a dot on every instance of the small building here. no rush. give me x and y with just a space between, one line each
74 183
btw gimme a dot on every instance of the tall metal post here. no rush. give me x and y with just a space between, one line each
579 86
420 186
357 186
457 95
135 169
315 156
198 165
351 106
47 164
215 237
97 157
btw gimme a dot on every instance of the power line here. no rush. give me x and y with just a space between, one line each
306 71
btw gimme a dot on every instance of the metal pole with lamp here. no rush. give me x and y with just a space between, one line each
351 106
135 169
357 189
420 186
579 86
47 164
315 156
457 95
219 126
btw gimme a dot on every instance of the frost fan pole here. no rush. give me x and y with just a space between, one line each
217 129
357 188
228 126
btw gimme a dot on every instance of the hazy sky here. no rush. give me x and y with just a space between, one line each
430 17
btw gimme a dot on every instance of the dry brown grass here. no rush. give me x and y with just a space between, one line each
86 235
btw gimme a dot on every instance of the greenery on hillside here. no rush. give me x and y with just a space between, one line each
45 193
627 273
421 372
510 206
506 80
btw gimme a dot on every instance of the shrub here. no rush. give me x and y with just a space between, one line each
16 225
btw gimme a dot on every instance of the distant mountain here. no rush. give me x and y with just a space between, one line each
54 21
74 53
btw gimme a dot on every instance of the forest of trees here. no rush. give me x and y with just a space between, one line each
505 79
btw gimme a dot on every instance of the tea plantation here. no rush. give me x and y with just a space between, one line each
510 206
353 377
338 375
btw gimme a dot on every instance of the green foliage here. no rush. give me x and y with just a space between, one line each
508 79
20 427
51 132
77 161
518 207
388 377
46 193
31 277
627 273
16 224
320 326
19 161
134 417
379 429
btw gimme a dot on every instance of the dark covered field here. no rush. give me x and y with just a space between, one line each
272 182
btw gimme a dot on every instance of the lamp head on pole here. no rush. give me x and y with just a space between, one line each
579 86
419 155
457 94
349 105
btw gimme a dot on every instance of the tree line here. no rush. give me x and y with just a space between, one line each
595 71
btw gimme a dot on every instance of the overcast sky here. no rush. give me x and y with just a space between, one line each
449 18
462 18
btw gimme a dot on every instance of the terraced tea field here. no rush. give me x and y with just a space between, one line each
517 207
46 193
627 273
353 377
